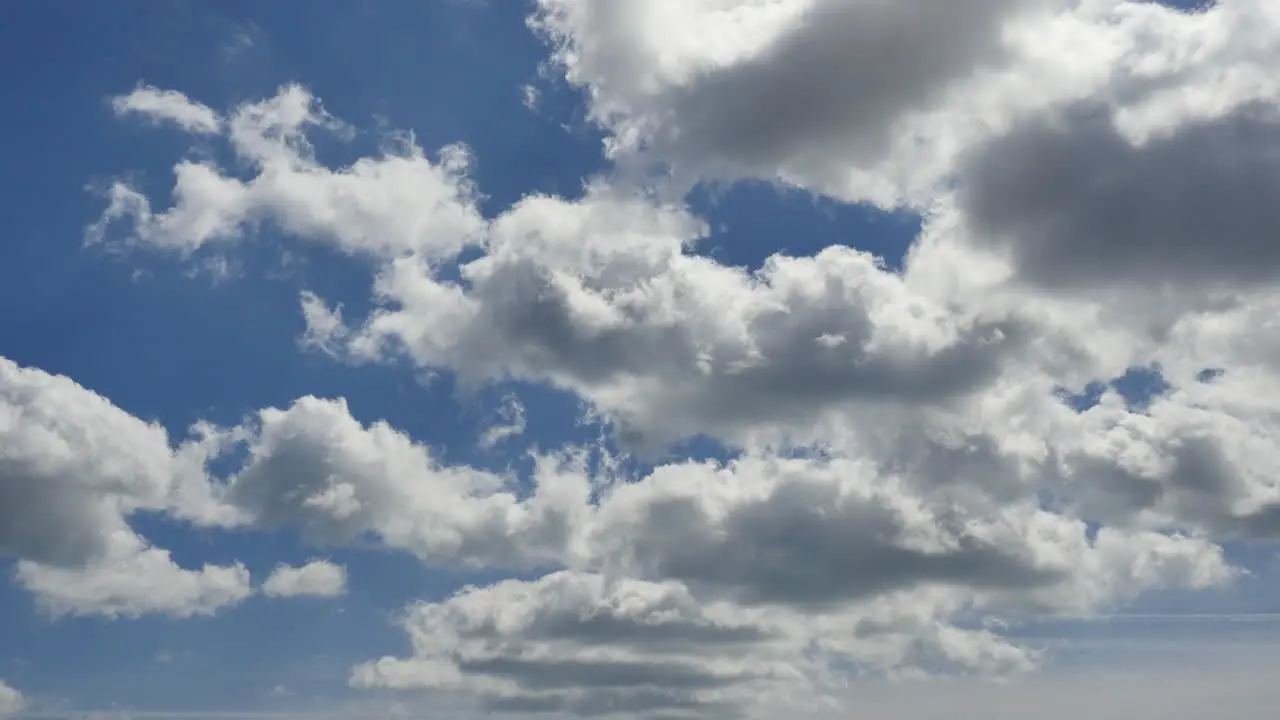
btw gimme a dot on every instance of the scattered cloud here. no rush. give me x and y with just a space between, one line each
510 424
168 106
911 456
398 203
318 578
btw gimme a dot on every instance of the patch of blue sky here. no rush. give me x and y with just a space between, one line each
1138 386
750 221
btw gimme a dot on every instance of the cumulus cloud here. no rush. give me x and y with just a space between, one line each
874 101
314 469
578 643
1195 458
705 589
318 578
814 532
1077 205
669 344
861 100
134 581
73 467
397 203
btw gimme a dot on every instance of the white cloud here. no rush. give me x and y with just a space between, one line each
510 424
598 297
139 580
864 101
703 589
73 467
11 702
315 469
577 643
824 533
318 578
325 329
397 203
875 100
168 106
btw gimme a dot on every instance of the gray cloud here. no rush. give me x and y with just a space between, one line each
834 83
804 544
1077 205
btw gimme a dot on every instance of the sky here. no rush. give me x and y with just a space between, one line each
639 359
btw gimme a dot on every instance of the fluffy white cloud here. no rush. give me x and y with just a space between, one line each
602 298
315 469
861 100
814 533
135 580
592 645
73 467
318 578
579 643
397 203
875 100
11 702
168 106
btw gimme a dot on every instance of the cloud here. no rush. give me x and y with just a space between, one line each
1188 460
325 330
318 578
875 101
168 106
11 702
598 297
1078 206
863 101
810 533
72 469
577 643
510 424
397 203
139 580
314 469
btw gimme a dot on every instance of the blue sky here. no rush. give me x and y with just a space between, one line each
215 337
